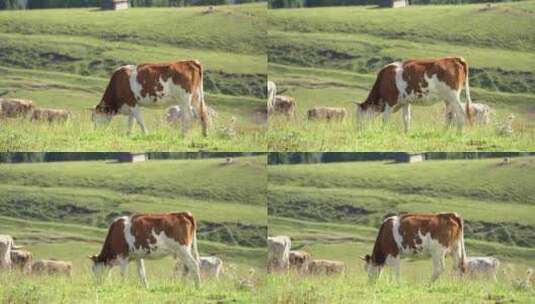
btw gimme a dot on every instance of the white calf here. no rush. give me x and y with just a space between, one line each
486 266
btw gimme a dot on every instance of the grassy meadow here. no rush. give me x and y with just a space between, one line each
334 210
330 57
61 210
62 58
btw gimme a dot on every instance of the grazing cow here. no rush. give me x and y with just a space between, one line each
278 253
15 107
153 85
285 105
487 266
174 114
326 267
210 267
300 260
479 112
21 259
400 84
149 236
52 267
327 113
51 115
272 91
6 245
437 234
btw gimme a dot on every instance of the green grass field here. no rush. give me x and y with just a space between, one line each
61 210
331 56
62 58
334 210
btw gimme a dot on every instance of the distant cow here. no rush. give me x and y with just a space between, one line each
15 107
149 236
153 85
285 105
479 112
485 266
420 81
174 114
272 91
52 267
437 234
300 260
278 253
327 113
6 245
326 267
22 260
210 267
51 115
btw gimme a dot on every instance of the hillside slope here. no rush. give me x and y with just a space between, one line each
62 58
342 204
329 57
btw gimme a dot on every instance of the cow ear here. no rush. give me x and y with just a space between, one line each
92 258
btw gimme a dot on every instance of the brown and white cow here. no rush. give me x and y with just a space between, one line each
14 107
418 81
149 236
52 267
51 115
327 113
300 260
21 259
437 234
154 85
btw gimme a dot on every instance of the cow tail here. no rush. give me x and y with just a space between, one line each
462 262
195 248
467 89
202 106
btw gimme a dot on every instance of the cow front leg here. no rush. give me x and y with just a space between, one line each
141 272
394 264
136 112
406 117
130 123
386 114
123 264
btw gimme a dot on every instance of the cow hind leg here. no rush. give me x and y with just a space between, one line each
191 264
130 123
187 115
141 272
438 266
458 111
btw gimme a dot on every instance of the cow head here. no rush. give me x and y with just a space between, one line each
98 268
101 115
373 270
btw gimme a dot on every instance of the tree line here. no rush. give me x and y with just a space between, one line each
37 4
318 3
37 157
328 157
